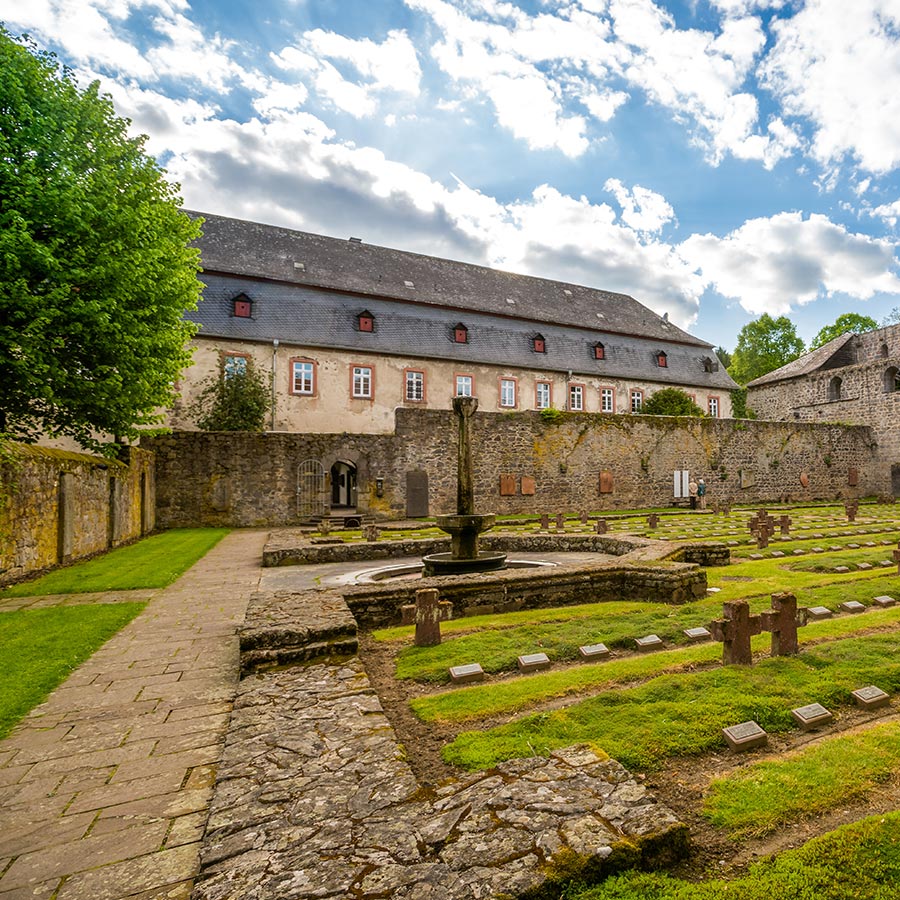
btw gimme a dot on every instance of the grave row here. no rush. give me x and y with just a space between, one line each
749 735
734 630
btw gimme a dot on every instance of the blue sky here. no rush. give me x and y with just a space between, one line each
715 159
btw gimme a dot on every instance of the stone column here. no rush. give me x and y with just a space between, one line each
464 408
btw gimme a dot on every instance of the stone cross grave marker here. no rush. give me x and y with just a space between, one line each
784 523
652 521
735 629
560 522
602 526
584 518
430 612
851 507
762 527
372 532
783 620
545 522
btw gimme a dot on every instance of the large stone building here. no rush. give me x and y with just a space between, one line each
853 379
346 332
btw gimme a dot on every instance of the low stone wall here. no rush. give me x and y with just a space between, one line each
376 606
57 506
291 548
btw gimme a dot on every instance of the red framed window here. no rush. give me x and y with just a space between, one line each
508 393
576 397
662 360
413 386
543 394
538 344
460 333
303 377
599 351
607 400
242 307
366 321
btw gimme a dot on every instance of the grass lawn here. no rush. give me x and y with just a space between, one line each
40 647
154 562
860 861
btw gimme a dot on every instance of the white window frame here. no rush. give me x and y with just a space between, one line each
508 393
234 364
607 400
542 395
637 400
305 385
713 407
576 390
465 385
362 383
414 380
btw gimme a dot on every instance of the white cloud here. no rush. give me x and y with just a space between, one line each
772 264
888 212
642 209
839 67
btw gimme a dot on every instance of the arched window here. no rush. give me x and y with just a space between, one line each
884 350
891 380
834 388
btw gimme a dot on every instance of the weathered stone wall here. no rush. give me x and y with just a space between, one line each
252 479
57 506
867 394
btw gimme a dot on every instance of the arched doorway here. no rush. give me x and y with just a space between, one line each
343 485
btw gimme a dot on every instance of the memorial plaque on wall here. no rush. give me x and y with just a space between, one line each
804 479
748 478
528 486
606 482
853 477
416 494
507 485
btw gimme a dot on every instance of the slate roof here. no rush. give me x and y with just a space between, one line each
265 251
828 356
312 317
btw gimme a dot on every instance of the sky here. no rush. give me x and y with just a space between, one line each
714 159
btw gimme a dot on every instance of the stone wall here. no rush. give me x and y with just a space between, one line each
252 479
57 506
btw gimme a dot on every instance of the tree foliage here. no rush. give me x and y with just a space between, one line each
95 268
847 322
233 401
671 402
724 357
764 345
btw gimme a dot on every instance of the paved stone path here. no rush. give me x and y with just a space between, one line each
105 788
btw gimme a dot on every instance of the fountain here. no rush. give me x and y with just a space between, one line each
466 525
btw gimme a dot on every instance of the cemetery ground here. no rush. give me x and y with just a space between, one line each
661 712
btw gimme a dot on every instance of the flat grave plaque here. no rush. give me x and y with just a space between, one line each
819 612
853 546
777 553
697 634
745 736
531 662
835 547
811 716
884 600
593 651
818 549
870 697
799 552
840 570
853 606
648 642
466 673
864 566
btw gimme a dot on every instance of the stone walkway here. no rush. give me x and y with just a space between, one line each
105 788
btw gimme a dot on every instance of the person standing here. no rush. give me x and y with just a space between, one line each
701 493
692 493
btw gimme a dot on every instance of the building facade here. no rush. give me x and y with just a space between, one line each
344 333
853 379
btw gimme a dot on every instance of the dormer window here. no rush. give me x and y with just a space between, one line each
365 321
662 360
242 307
538 344
710 364
460 333
599 351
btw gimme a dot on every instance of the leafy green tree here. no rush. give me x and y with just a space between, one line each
235 400
95 267
764 345
671 402
724 357
852 322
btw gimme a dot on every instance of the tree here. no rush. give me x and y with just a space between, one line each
724 357
892 318
95 268
671 402
852 322
764 345
236 400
